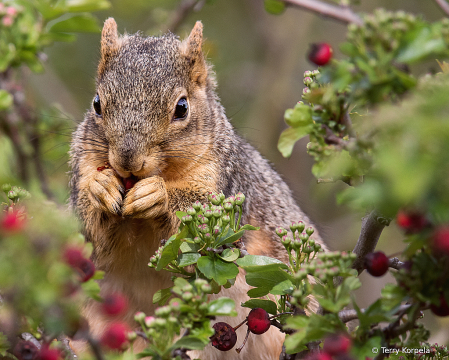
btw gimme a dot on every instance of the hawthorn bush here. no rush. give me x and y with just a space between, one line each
374 123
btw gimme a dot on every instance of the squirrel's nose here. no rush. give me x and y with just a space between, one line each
125 161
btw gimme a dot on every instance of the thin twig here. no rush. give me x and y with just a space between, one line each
443 5
340 13
65 343
182 11
395 263
372 226
349 315
29 337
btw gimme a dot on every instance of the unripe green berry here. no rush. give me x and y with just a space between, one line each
306 91
6 188
307 81
160 322
310 231
207 236
191 211
225 219
187 287
301 226
315 72
163 311
187 219
280 232
303 237
307 73
196 205
131 336
187 296
196 240
239 200
300 275
206 288
296 244
230 200
286 240
311 243
208 214
139 316
217 213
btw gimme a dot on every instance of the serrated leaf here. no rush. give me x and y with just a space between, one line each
161 296
268 305
230 239
290 136
217 269
186 259
222 306
285 287
299 116
229 255
170 250
249 227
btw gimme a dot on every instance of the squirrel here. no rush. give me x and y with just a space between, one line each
156 118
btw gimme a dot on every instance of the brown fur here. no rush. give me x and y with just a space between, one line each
177 162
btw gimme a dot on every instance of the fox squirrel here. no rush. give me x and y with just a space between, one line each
157 119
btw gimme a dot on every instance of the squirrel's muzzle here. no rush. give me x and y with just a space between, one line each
127 156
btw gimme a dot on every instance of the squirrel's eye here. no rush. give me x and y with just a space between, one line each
181 109
97 105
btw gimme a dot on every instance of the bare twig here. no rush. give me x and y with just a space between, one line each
65 342
372 226
180 14
28 337
339 13
443 5
346 121
395 263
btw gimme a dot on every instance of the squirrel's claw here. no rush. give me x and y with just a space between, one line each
106 192
147 199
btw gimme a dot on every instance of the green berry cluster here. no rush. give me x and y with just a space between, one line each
15 193
300 247
325 267
208 221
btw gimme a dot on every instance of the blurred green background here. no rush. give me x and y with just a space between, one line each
259 60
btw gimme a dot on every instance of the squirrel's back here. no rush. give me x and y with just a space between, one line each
160 137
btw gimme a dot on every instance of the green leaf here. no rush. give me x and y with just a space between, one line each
268 305
187 247
289 137
217 269
170 250
267 280
6 100
186 259
285 287
161 296
253 262
258 292
299 116
424 44
249 227
222 306
229 255
180 214
92 289
274 7
99 274
230 239
189 342
76 23
87 5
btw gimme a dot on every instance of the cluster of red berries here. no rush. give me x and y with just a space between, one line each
117 334
335 346
224 339
74 257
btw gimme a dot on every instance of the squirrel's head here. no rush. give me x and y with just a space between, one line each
152 101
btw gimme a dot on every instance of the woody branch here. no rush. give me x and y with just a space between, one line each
340 13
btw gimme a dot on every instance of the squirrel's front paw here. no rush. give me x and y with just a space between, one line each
147 199
106 191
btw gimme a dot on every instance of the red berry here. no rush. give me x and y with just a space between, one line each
12 222
411 222
73 256
129 182
114 304
440 241
86 269
442 309
25 350
49 354
336 344
101 168
225 337
258 321
115 336
320 53
376 263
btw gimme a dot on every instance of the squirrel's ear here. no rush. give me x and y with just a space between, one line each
109 43
191 49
